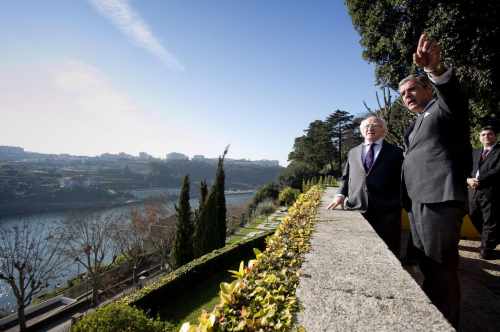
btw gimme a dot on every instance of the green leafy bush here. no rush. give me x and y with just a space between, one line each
119 317
262 298
269 191
265 208
288 196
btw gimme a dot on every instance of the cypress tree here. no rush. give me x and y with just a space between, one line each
203 192
210 230
210 210
220 204
183 246
200 245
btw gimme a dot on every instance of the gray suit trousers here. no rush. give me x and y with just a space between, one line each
435 228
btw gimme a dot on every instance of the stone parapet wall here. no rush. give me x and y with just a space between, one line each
351 281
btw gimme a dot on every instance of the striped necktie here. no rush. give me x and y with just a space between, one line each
370 157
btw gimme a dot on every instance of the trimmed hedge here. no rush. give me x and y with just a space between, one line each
262 298
151 297
171 286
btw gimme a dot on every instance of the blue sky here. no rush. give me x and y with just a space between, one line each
93 76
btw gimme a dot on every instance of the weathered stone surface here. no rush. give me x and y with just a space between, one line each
352 282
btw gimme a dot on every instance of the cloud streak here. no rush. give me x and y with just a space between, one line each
130 23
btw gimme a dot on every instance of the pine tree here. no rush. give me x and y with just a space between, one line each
183 246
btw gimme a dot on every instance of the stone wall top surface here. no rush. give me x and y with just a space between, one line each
351 281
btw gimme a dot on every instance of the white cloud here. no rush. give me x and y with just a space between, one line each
125 18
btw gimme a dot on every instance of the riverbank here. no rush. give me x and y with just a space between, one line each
27 207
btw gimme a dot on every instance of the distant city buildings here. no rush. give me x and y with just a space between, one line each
14 153
145 156
198 157
176 156
75 181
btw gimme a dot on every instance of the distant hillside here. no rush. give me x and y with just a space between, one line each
41 181
238 175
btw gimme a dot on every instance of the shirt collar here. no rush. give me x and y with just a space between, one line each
378 142
429 104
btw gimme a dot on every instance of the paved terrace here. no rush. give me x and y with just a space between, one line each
352 282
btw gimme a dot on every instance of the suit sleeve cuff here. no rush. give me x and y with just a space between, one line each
443 78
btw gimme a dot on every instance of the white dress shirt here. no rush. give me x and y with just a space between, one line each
376 149
364 150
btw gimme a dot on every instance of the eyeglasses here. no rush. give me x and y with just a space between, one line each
373 126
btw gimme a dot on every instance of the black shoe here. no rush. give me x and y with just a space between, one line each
486 254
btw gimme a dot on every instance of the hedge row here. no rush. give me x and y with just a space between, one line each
151 297
171 286
262 298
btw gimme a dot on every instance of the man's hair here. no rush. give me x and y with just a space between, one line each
421 80
491 128
363 123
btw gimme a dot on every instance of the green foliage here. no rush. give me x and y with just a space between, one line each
262 296
315 148
295 173
220 204
344 134
183 245
119 317
322 181
288 196
203 192
269 191
204 233
265 208
322 150
210 230
467 31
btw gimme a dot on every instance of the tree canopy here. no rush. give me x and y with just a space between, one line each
467 30
315 147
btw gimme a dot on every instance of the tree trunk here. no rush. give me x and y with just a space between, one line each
20 316
95 289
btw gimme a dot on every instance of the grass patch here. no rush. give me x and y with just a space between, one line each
250 227
203 296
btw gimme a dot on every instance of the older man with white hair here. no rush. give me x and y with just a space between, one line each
371 182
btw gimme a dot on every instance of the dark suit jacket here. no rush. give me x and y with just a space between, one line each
438 158
489 172
380 187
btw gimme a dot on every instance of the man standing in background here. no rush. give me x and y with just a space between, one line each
484 185
437 163
371 182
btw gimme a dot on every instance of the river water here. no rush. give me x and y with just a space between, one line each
53 219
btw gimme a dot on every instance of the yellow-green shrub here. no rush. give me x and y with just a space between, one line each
262 298
288 196
119 317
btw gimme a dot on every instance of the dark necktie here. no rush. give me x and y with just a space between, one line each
484 154
370 157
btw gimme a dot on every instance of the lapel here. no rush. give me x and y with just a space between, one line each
407 134
358 157
379 156
475 161
420 119
489 159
